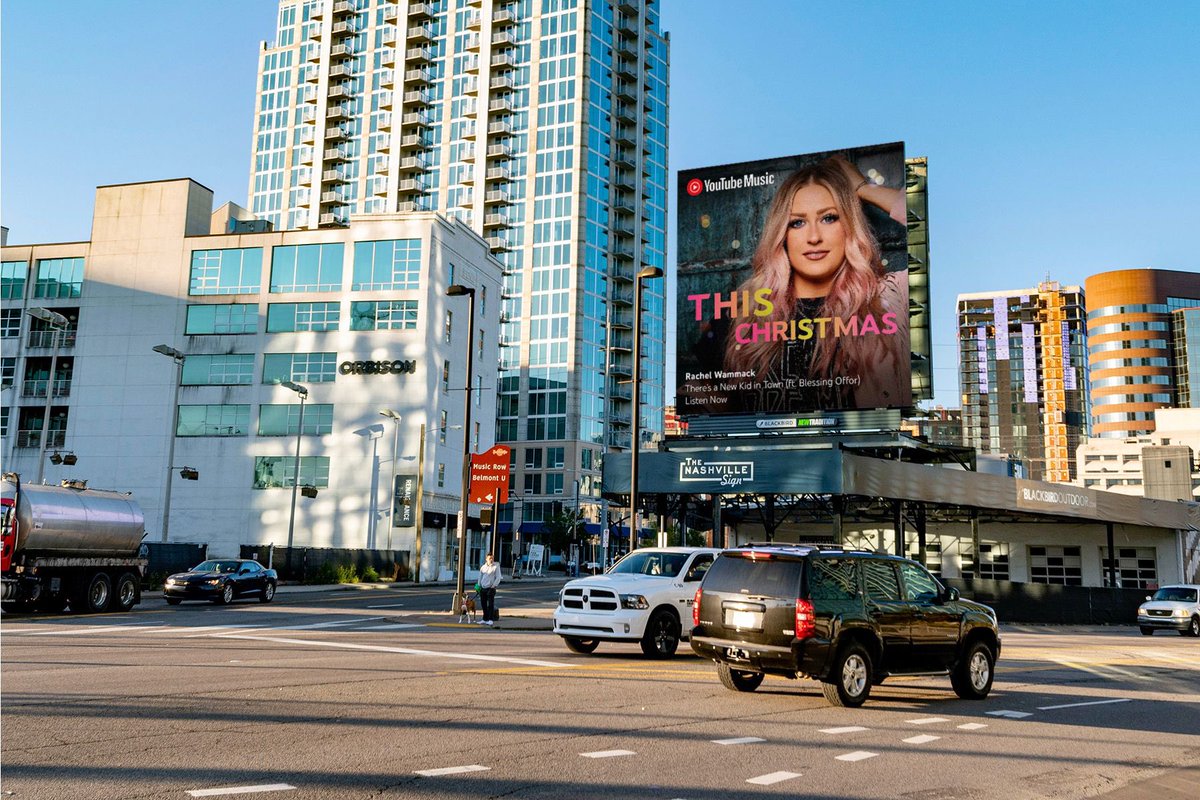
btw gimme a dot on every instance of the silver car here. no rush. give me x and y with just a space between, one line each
1171 608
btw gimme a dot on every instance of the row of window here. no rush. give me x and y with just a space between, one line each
233 419
382 265
240 318
1057 565
57 278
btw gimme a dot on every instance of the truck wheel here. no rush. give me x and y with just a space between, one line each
577 645
1193 628
738 680
126 593
95 595
850 682
662 635
972 675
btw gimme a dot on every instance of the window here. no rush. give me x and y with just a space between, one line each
533 458
554 457
880 579
288 317
587 458
218 370
919 585
1061 566
213 319
442 427
12 279
554 483
8 371
533 484
4 420
993 561
445 376
59 277
449 325
441 475
278 472
284 419
310 367
384 315
833 579
483 301
10 323
1137 567
387 265
213 420
307 268
237 271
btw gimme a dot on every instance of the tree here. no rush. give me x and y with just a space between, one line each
563 528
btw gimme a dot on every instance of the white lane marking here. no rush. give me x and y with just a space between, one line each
608 754
857 755
527 662
847 729
739 740
922 739
1009 714
1089 703
972 726
392 626
262 787
773 777
96 629
388 605
927 720
433 773
317 625
217 630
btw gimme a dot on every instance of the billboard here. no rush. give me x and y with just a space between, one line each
793 285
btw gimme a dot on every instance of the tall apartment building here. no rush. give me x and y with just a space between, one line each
1023 375
1185 329
541 124
1132 349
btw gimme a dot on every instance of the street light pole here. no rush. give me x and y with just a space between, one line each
58 324
458 290
302 391
646 273
177 357
395 418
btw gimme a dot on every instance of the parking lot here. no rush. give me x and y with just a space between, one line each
383 694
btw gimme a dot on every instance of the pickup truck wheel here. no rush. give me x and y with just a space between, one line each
972 675
850 683
95 596
268 593
226 596
577 645
737 680
1193 628
126 593
661 639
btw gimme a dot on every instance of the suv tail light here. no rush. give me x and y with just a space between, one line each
696 607
805 624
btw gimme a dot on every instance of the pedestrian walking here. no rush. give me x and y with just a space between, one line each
489 579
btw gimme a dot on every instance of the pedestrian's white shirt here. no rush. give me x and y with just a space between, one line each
489 576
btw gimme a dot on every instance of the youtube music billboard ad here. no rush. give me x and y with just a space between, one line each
793 285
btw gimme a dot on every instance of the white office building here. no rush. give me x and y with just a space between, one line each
1162 464
541 125
177 338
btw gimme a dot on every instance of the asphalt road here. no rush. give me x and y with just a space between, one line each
366 694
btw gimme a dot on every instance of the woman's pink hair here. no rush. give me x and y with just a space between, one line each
854 290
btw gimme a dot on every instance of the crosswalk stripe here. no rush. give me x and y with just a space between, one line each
773 777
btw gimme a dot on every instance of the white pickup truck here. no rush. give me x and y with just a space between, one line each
646 597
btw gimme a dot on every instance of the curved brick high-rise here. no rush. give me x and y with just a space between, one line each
1130 356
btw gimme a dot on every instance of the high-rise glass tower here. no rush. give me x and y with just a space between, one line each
542 124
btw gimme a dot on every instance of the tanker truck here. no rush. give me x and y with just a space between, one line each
70 544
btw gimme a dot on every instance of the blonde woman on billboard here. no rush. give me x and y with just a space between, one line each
831 326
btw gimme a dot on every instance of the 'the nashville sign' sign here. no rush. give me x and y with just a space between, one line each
725 473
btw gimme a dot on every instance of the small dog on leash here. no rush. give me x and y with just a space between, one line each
466 611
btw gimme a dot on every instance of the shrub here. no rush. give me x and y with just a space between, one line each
370 574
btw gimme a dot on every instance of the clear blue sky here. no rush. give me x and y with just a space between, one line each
1062 137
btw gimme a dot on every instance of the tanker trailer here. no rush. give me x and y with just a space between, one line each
70 544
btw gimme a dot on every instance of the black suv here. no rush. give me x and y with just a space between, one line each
844 617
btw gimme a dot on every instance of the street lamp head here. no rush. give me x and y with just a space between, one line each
295 387
48 316
70 459
458 290
168 351
649 272
387 412
56 458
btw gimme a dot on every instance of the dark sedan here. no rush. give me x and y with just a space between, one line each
221 581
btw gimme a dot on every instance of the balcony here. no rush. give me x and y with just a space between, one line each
342 7
506 58
470 63
385 101
471 41
499 150
341 51
498 174
622 295
418 75
620 370
497 242
625 135
387 56
337 112
344 28
499 128
33 438
627 68
497 196
417 55
416 118
412 185
625 47
470 84
496 221
420 10
621 340
505 38
38 388
385 122
328 198
500 83
340 71
623 204
503 16
474 19
331 176
411 141
622 251
621 391
318 12
623 228
308 135
418 34
623 158
621 319
414 164
311 73
407 207
303 199
626 90
499 105
629 7
331 219
335 93
387 77
314 55
625 112
416 98
620 418
389 14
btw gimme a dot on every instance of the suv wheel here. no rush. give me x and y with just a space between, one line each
577 645
972 675
662 635
737 680
851 677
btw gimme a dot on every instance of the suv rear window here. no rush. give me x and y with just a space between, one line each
771 577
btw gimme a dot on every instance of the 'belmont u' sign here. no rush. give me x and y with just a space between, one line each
377 367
